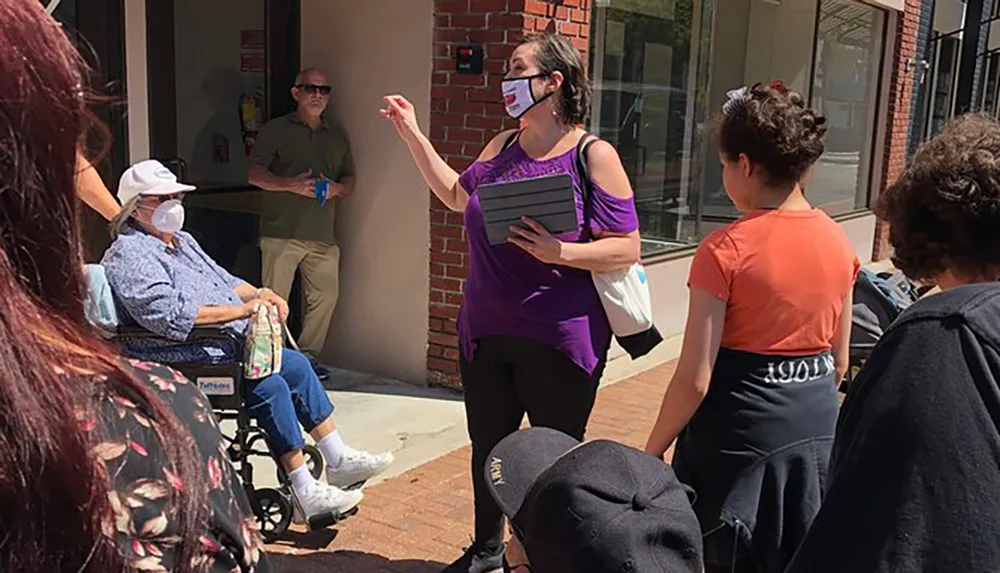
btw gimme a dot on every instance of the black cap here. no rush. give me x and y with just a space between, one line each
594 507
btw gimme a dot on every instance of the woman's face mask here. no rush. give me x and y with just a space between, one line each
518 97
168 217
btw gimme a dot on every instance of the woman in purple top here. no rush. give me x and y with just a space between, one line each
534 336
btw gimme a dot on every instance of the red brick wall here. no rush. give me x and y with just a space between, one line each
898 120
466 113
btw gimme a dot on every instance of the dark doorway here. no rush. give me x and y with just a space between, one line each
217 71
96 28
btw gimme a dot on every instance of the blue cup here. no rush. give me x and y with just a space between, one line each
322 187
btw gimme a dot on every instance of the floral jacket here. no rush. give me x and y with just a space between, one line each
127 442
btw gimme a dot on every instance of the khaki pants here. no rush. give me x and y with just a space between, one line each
320 266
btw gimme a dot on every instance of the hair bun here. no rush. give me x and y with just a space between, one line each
775 128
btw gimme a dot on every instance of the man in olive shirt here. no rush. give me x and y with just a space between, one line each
296 228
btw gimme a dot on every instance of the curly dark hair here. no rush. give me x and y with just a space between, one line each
775 129
944 210
555 53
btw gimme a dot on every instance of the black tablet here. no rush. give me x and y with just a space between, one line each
549 199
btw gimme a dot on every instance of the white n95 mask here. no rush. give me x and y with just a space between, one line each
168 217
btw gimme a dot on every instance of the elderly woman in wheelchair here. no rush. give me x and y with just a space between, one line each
165 282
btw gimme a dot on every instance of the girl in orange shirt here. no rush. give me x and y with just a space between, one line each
753 402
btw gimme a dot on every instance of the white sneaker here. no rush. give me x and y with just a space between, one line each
320 500
357 467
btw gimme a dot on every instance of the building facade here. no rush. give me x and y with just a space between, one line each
198 77
660 68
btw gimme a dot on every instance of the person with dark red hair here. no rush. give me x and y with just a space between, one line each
105 464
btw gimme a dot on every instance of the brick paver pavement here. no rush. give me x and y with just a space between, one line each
420 521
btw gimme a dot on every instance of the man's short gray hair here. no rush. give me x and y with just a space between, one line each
301 76
124 216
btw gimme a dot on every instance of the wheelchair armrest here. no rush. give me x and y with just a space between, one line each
205 331
216 332
134 331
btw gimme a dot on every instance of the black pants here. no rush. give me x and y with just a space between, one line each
507 377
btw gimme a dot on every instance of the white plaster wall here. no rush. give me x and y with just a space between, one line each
369 49
949 15
137 89
898 5
780 42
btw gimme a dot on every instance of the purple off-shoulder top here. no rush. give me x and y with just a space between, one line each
509 292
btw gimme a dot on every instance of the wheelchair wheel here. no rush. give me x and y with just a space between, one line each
314 461
274 513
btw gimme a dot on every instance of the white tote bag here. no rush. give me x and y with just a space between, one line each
625 296
623 293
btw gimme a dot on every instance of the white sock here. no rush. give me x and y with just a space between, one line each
301 480
332 448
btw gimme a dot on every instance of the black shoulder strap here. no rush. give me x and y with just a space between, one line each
582 168
582 147
510 140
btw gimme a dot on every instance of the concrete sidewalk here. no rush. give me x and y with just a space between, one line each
419 520
419 424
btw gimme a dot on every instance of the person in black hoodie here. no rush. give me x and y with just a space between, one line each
915 471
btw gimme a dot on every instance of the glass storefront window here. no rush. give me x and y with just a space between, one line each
662 67
945 73
991 85
754 42
845 88
216 72
650 69
221 91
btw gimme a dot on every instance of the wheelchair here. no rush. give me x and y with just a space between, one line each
212 357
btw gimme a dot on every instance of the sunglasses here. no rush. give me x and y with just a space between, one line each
157 199
314 89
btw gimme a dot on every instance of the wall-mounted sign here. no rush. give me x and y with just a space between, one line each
252 51
469 59
253 62
252 39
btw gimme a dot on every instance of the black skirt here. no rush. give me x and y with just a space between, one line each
756 453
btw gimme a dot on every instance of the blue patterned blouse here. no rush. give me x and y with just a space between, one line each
161 288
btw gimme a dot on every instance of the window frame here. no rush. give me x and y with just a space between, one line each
873 142
868 190
282 28
99 34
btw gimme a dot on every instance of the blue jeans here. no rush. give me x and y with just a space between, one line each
282 401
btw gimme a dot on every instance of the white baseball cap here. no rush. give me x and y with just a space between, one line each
149 177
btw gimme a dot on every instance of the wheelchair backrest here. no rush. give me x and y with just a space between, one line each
100 305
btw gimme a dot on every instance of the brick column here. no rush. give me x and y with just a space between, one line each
466 113
898 120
